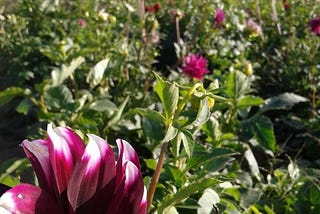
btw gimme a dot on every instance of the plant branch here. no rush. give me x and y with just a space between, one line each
156 175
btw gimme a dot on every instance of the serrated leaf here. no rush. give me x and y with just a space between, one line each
168 94
59 75
261 128
96 74
185 192
248 101
282 102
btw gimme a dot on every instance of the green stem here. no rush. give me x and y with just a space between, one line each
186 98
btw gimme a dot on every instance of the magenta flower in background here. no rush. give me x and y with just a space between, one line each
219 18
314 26
76 179
81 23
195 66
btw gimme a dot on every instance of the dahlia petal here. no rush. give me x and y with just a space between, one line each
38 155
65 148
28 199
128 197
143 202
92 173
127 153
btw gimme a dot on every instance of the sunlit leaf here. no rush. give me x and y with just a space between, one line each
168 94
282 102
185 192
96 74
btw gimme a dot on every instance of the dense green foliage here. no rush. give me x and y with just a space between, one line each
244 140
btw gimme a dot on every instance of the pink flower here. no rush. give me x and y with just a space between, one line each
76 178
253 27
314 26
81 23
219 18
195 66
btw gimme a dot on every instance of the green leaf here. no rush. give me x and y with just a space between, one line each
151 114
8 168
187 141
249 196
185 192
207 201
248 101
170 210
168 94
261 128
59 75
201 157
314 194
153 130
10 93
103 105
282 102
171 133
178 175
117 115
151 163
203 114
96 74
59 98
252 162
23 107
237 85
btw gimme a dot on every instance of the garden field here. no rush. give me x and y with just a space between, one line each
168 106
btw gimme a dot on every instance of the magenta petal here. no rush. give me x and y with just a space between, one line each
143 202
126 153
28 199
94 171
129 195
65 149
38 154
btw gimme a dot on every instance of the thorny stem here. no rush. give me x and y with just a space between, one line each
156 175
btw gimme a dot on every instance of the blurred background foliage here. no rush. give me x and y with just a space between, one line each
246 139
